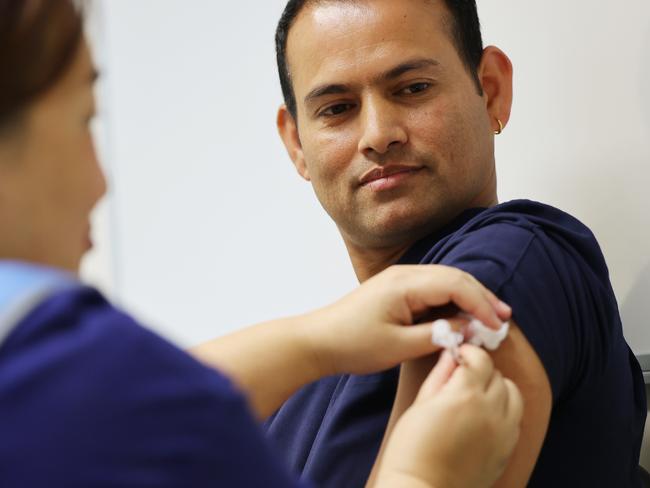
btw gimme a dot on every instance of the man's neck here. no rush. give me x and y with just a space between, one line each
367 262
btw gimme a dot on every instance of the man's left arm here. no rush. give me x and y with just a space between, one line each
517 360
540 354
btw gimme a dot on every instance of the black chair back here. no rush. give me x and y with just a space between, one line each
645 478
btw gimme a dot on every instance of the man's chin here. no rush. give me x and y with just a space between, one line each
393 233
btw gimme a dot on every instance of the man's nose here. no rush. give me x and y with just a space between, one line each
382 128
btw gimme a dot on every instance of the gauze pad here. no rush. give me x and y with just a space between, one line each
445 336
475 333
490 339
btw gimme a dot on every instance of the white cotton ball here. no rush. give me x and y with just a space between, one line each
486 337
444 336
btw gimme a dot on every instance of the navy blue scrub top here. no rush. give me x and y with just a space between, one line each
549 268
89 398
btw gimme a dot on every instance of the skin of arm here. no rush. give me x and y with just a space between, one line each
256 357
271 361
459 432
517 360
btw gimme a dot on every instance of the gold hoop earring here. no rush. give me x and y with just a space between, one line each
500 130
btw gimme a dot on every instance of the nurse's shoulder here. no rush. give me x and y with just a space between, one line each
94 399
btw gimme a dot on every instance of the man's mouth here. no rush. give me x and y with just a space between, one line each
388 177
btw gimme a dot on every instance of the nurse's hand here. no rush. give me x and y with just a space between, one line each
367 331
371 329
460 431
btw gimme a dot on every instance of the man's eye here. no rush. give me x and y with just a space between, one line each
416 88
337 109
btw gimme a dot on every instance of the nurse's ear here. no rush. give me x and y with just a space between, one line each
288 129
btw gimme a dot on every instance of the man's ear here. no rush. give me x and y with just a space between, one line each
495 74
288 129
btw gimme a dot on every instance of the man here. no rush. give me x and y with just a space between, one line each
391 108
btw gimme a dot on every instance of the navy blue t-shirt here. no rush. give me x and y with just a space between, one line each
88 398
549 268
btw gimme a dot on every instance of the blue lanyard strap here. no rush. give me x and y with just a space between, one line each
23 287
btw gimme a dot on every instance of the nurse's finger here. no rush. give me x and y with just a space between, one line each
515 402
497 392
433 286
513 413
477 368
504 311
438 377
412 341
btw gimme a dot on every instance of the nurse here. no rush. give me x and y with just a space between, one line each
90 398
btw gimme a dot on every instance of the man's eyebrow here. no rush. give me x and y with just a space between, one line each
323 90
396 72
411 65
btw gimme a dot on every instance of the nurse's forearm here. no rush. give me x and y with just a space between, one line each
271 361
268 362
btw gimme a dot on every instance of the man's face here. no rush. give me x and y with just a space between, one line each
393 133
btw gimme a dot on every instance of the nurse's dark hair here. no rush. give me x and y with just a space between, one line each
38 42
464 28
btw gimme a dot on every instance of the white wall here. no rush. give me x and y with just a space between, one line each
579 137
208 228
99 266
214 230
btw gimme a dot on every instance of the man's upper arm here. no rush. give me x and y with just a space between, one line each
517 360
544 349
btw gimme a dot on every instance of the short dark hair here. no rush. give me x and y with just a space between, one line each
465 31
38 42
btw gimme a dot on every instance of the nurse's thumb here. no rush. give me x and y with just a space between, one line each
439 376
416 341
